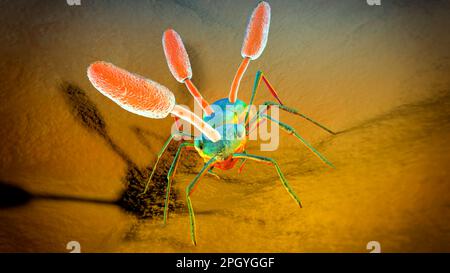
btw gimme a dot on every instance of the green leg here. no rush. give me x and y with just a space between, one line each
261 77
258 78
271 161
189 190
295 112
254 90
292 131
257 118
171 174
166 144
211 172
242 165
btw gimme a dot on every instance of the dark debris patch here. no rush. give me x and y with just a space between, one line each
151 204
133 200
84 109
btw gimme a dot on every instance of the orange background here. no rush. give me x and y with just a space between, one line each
378 74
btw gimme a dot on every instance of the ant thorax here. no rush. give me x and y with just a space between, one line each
233 140
228 119
226 112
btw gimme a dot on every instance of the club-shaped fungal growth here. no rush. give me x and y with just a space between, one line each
142 96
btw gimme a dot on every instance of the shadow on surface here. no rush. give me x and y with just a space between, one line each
13 196
132 199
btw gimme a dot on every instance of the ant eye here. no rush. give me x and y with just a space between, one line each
201 145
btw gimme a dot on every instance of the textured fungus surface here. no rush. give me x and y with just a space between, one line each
131 92
176 56
257 32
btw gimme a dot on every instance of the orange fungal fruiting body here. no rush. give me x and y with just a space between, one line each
130 91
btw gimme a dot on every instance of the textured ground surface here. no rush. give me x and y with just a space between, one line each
377 74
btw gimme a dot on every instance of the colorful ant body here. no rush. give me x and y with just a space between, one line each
220 145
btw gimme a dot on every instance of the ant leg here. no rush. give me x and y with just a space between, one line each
293 132
166 144
261 77
258 78
270 161
210 171
189 189
242 165
296 112
171 174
